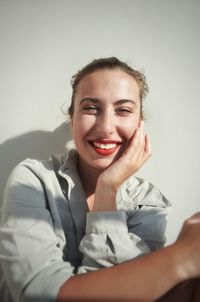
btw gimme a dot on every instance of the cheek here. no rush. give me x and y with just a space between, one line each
81 125
129 127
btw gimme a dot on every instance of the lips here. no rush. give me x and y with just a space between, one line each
105 147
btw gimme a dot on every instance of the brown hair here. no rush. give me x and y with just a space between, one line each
108 63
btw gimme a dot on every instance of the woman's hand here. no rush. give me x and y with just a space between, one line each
135 155
188 243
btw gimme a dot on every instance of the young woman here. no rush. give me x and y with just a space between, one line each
82 227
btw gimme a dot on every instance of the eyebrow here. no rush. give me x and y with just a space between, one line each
118 102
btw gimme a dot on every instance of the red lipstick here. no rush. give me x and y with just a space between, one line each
105 147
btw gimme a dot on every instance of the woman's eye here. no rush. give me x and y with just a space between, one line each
124 111
90 109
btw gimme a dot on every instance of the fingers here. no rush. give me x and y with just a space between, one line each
191 225
190 245
140 145
147 148
137 152
137 141
195 217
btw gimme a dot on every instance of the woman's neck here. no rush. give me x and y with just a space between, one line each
88 176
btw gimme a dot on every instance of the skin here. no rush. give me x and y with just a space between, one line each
155 275
107 109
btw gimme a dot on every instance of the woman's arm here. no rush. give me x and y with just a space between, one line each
144 279
147 278
188 291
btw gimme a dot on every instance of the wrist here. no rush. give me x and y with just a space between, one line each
107 184
105 197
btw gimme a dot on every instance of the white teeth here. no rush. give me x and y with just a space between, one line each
104 146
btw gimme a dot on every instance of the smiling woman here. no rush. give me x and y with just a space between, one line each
106 111
82 226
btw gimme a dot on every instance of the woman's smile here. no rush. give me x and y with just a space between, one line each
106 114
105 147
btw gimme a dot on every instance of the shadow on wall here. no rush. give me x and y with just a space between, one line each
36 144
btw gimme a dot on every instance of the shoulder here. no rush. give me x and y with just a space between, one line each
27 181
35 168
29 170
137 191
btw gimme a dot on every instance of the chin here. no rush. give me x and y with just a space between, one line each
102 164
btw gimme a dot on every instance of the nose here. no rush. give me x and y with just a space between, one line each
105 124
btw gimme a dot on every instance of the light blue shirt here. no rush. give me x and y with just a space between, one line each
48 235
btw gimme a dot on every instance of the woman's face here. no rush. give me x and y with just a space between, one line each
106 114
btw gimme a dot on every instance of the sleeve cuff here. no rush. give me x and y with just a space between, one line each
106 222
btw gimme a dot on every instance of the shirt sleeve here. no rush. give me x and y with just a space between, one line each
30 252
115 237
149 223
108 241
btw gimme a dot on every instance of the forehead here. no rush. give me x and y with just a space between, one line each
108 83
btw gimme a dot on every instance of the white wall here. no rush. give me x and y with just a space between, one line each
43 42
